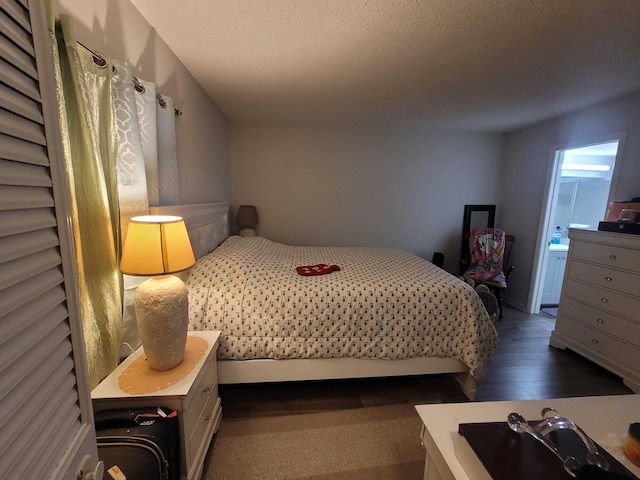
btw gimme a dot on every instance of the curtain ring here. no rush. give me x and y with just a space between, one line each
99 60
162 101
140 88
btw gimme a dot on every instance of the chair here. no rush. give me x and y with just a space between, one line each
490 249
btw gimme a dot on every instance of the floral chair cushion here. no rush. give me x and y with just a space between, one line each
487 251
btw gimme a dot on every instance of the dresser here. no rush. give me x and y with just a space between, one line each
599 311
191 389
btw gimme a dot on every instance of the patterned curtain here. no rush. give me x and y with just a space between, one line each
146 153
89 143
147 160
131 168
167 158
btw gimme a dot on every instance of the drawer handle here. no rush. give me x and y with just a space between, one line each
600 321
608 279
612 257
207 418
594 341
604 300
206 390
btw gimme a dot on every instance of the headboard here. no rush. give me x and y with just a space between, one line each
207 223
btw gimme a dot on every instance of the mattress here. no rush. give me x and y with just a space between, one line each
382 304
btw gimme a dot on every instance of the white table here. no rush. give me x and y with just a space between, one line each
606 419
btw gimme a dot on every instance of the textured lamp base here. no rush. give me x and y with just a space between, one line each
162 314
247 232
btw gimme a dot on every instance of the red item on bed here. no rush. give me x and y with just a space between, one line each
319 269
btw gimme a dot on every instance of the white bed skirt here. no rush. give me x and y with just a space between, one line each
267 370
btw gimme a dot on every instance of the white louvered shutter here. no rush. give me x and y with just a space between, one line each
46 420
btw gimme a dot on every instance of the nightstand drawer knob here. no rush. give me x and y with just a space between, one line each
206 390
608 279
600 321
207 418
604 300
594 341
612 257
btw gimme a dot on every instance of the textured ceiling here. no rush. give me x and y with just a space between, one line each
486 65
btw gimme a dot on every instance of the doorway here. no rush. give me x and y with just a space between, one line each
579 191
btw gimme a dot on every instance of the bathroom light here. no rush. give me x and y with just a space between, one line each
586 167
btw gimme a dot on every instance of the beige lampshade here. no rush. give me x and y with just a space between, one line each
247 216
156 245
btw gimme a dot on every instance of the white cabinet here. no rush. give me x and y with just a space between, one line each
193 395
553 276
598 313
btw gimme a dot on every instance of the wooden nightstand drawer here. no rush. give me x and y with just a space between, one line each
620 281
603 321
610 256
203 424
199 396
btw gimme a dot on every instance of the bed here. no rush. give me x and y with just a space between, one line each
381 312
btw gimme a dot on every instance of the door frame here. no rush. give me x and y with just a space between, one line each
548 208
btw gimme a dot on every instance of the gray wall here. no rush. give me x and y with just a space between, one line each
356 186
117 29
527 161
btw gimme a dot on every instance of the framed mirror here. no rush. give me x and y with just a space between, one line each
474 216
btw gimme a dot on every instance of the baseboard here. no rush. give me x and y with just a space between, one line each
515 304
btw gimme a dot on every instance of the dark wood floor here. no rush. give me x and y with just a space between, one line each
523 367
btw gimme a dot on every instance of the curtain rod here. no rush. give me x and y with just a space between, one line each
101 61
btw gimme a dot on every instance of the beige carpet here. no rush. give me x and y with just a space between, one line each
363 443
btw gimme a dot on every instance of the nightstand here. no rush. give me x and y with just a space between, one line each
191 389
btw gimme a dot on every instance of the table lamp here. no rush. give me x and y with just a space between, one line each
157 246
247 218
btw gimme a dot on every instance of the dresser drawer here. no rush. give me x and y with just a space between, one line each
624 282
599 320
607 300
618 257
599 342
198 397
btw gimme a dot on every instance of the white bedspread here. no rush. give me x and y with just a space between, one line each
382 304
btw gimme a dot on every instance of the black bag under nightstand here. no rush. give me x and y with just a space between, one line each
144 444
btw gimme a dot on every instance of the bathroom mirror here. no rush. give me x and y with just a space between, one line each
474 216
